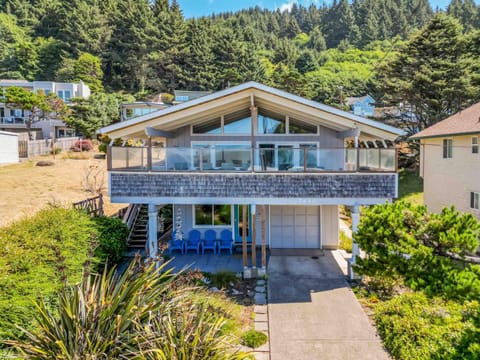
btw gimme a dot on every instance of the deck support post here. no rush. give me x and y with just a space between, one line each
246 271
253 229
355 248
152 231
263 270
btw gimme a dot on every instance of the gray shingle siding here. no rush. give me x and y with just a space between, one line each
253 185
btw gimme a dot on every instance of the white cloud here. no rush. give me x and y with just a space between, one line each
288 5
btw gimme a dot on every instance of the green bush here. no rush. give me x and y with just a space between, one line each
112 240
254 338
416 327
38 256
345 242
423 249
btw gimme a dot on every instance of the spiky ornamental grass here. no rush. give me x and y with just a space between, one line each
141 314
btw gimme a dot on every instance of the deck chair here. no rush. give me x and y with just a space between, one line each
193 242
226 241
175 244
210 242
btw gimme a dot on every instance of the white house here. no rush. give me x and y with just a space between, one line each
13 120
270 167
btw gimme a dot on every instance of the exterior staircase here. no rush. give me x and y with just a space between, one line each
138 233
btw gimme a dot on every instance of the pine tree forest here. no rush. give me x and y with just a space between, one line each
325 53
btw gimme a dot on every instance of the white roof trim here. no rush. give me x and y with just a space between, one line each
246 86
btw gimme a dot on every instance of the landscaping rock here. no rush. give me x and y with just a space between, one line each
44 163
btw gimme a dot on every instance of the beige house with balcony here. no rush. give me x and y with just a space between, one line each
14 120
450 162
269 167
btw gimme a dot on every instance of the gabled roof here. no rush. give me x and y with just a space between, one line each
464 122
244 95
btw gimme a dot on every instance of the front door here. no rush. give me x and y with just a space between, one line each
239 223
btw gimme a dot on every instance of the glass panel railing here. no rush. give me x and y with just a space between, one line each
265 159
387 159
377 159
129 158
159 157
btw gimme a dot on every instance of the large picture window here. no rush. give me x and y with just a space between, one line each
213 215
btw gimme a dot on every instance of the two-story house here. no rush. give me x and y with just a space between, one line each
15 119
270 166
450 162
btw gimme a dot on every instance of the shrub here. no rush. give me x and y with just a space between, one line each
82 145
416 327
166 322
345 242
254 338
425 250
38 256
103 148
112 240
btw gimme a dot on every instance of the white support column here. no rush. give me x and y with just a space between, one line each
355 248
152 231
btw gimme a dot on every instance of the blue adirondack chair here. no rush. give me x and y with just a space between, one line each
210 241
175 244
193 242
226 241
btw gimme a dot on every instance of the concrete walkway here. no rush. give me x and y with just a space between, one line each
313 313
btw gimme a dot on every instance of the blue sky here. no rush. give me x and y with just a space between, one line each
206 7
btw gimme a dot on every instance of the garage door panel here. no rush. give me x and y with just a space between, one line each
294 227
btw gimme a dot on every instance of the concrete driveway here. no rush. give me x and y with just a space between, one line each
313 313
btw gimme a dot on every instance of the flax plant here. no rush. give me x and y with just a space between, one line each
142 314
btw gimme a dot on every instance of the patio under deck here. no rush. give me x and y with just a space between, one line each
211 263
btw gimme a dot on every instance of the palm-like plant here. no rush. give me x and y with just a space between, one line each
141 314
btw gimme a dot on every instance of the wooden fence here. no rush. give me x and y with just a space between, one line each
30 148
93 206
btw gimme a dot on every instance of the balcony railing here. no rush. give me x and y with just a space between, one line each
231 158
13 120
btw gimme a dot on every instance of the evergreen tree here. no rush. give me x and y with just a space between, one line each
432 73
83 27
126 60
466 12
86 68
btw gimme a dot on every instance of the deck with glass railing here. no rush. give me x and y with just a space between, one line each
13 120
245 159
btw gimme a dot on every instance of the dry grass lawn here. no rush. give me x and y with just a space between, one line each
27 188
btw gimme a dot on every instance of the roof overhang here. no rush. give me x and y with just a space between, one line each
242 96
414 137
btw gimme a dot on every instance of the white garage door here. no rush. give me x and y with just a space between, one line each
294 227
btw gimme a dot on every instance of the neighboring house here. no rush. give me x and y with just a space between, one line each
278 158
182 96
14 119
140 108
450 162
8 148
362 106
